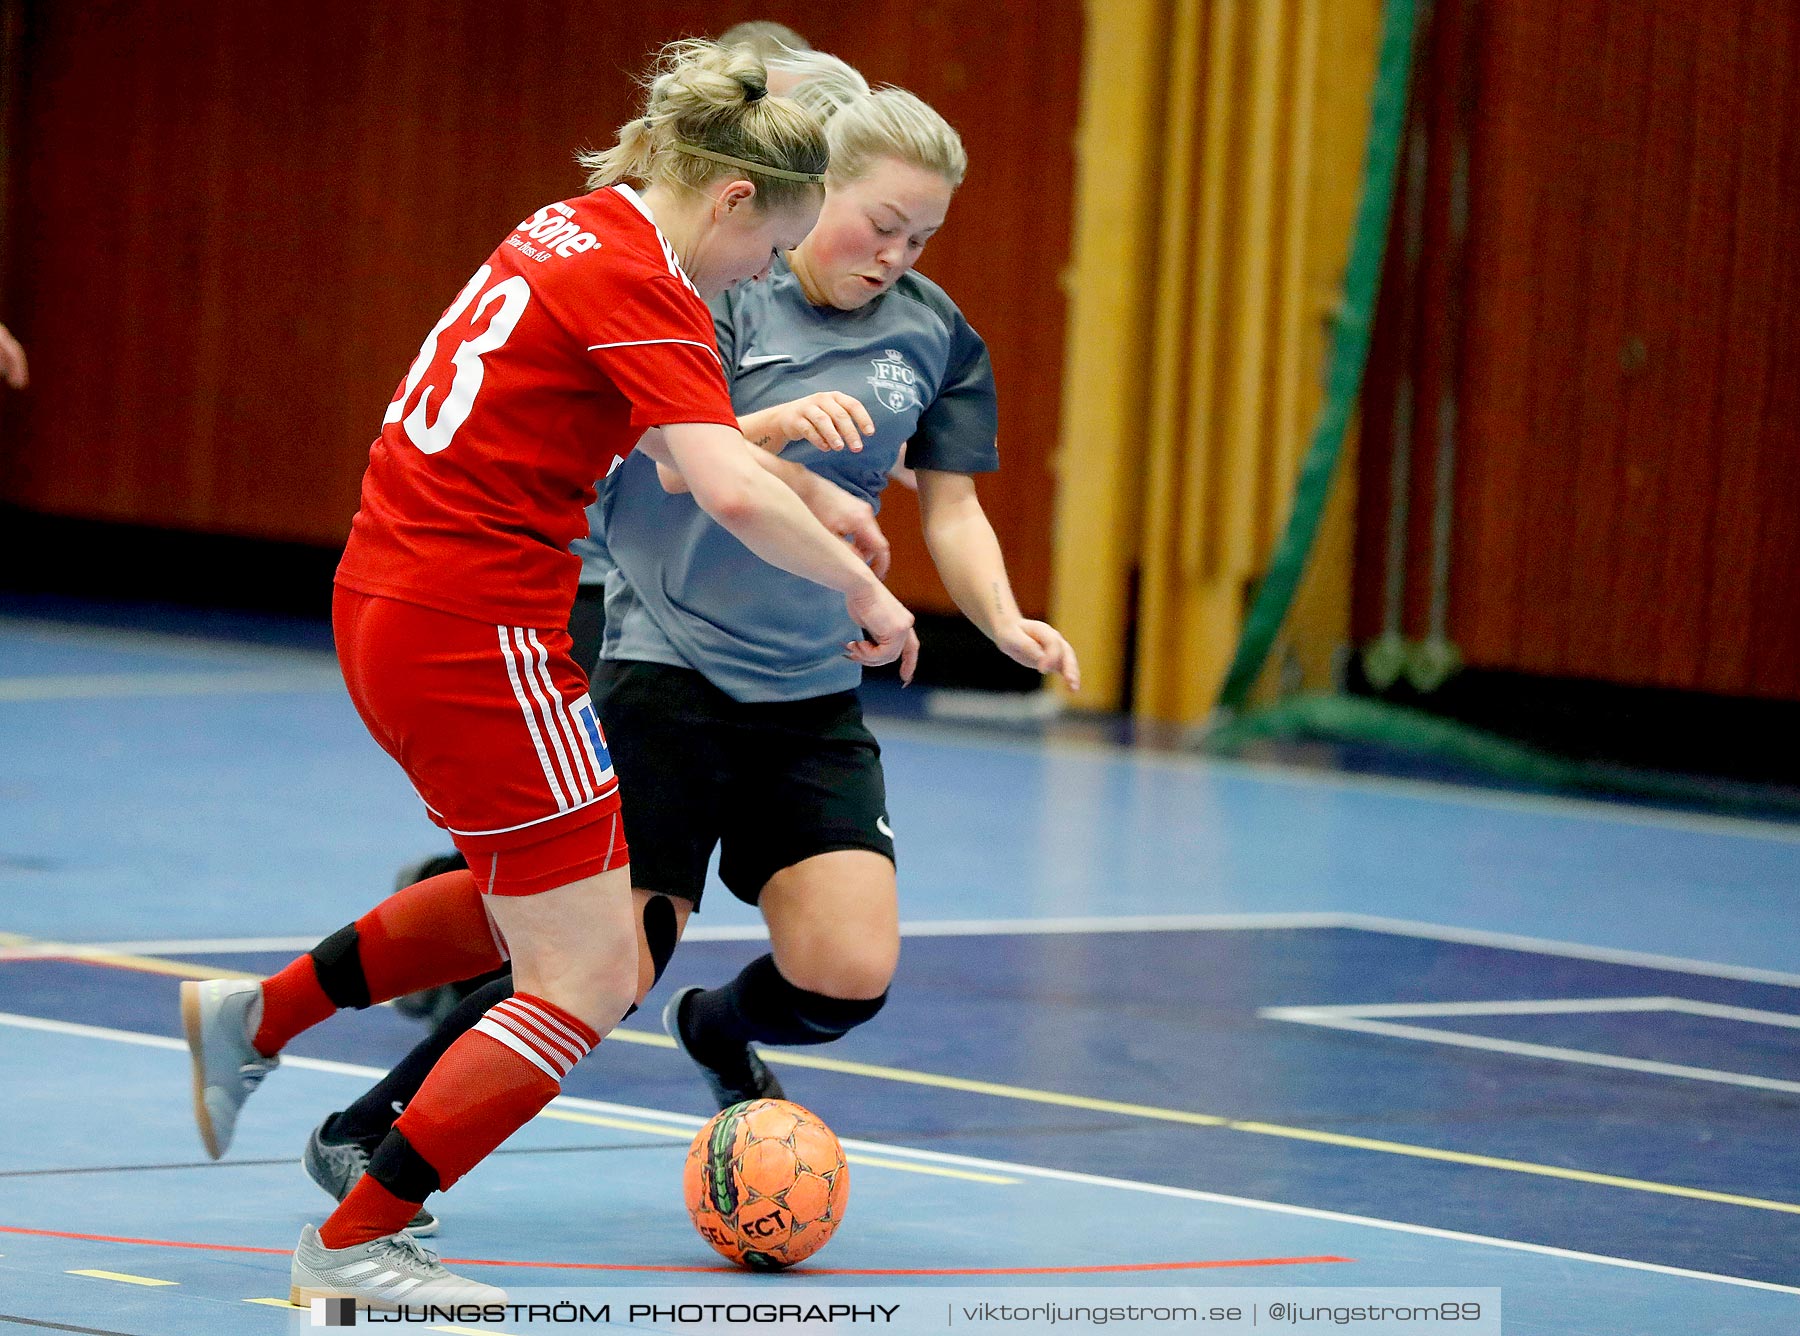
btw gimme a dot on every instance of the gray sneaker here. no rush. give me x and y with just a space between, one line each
388 1272
336 1165
220 1016
747 1078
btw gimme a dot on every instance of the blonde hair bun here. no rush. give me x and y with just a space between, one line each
701 95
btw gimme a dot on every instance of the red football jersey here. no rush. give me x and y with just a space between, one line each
579 332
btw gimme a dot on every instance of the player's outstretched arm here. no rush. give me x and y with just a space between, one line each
842 512
848 516
728 483
967 555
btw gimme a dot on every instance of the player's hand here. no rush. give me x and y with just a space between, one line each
18 375
887 625
909 656
1041 646
851 518
829 419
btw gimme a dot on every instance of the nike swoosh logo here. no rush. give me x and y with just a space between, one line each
881 825
750 361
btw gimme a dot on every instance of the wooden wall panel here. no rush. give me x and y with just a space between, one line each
230 225
1627 495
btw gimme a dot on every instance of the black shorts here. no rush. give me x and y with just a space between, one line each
770 783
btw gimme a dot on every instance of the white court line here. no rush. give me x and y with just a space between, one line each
1189 762
216 648
1505 941
1362 1020
223 946
744 932
92 686
688 1121
1546 946
200 946
1425 790
1554 1006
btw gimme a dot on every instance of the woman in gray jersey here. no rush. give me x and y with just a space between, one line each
733 674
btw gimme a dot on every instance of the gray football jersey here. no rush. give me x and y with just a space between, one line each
681 590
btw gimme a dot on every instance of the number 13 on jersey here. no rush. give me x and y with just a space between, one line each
452 369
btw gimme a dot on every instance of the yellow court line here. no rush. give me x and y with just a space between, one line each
1000 1091
1052 1097
683 1134
1254 1128
180 969
277 1303
122 1277
621 1124
644 1037
953 1083
963 1083
1515 1166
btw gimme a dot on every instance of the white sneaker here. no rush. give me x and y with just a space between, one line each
390 1272
220 1016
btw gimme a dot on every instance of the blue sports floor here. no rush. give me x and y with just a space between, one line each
1159 1022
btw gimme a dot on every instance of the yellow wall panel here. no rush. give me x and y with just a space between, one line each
1252 114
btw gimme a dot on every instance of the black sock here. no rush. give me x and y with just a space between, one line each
761 1005
469 987
369 1119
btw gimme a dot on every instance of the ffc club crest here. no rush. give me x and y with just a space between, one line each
895 383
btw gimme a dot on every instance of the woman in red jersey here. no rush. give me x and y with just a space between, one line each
585 333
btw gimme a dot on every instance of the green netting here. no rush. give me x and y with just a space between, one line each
1359 719
1349 354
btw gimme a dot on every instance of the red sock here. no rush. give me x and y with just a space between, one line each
366 1213
434 931
292 1002
489 1083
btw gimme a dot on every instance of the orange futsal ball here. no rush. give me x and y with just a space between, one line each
766 1184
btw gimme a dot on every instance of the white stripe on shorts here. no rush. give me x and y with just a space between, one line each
612 839
531 723
534 675
525 825
566 725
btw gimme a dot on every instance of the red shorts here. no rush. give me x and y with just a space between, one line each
494 727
